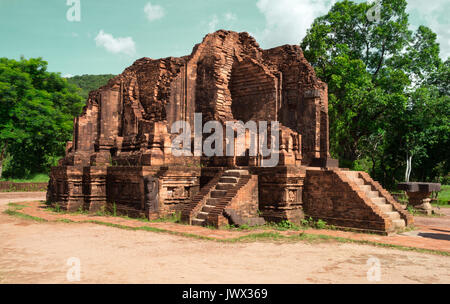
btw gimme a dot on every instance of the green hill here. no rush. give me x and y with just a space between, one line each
88 83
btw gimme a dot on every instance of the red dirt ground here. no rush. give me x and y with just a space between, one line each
33 252
431 233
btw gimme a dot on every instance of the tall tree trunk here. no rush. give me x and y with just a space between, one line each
2 157
408 167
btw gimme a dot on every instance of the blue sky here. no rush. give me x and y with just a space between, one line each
110 35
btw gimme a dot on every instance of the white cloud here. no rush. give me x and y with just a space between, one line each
230 16
113 45
154 12
226 21
212 25
288 20
434 15
67 76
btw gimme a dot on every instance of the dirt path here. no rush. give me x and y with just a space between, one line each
436 222
16 197
32 252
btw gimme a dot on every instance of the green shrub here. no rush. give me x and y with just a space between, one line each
321 224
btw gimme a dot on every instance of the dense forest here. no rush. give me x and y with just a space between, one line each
88 83
389 99
36 114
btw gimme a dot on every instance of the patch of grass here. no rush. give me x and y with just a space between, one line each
81 211
319 224
444 197
139 219
244 227
263 236
23 215
286 225
100 213
173 218
412 210
114 209
65 221
441 205
37 178
16 206
210 227
13 210
444 194
56 208
400 196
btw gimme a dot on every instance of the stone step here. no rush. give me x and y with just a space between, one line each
198 222
352 174
394 215
231 174
359 181
366 188
212 201
208 208
372 194
222 186
236 171
218 193
399 224
202 215
228 180
379 200
385 207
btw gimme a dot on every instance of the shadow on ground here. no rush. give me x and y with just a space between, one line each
436 236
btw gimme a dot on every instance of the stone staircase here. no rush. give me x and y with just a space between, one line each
377 198
216 196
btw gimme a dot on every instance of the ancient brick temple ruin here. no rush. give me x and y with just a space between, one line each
121 155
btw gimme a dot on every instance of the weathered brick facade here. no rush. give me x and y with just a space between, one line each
121 155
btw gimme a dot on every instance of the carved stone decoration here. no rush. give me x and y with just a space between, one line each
292 195
151 189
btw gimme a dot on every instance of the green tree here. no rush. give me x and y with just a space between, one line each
36 115
88 83
380 76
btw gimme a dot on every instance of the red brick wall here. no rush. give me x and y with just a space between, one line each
245 203
329 195
253 92
27 187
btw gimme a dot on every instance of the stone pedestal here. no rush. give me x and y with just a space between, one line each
280 193
420 201
94 188
66 188
419 195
